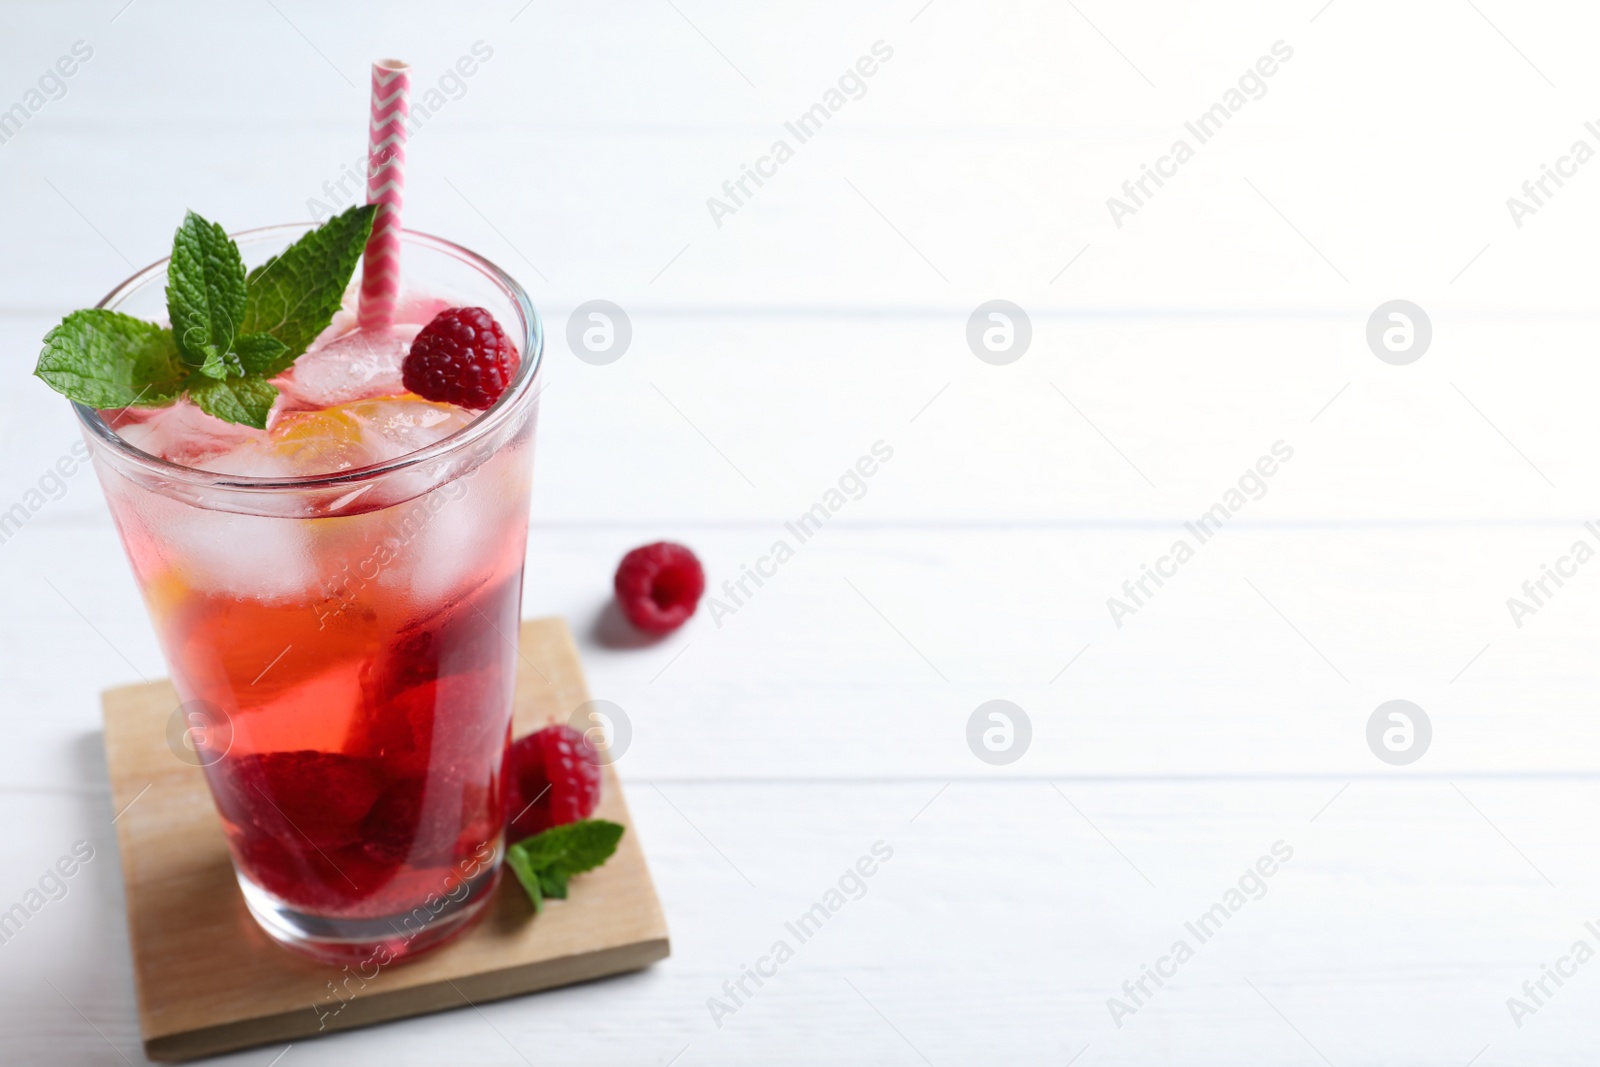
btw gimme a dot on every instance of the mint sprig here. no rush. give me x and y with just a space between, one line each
205 296
246 399
230 332
544 862
109 360
292 296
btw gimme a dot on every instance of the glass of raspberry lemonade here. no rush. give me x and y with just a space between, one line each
338 597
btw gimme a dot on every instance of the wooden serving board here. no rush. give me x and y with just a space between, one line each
209 980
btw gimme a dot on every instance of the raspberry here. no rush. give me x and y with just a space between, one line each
420 821
457 639
300 797
456 724
461 357
320 880
555 779
659 585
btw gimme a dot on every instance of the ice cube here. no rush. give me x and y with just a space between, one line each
345 319
419 309
300 444
358 434
250 461
356 366
470 522
135 426
455 539
391 428
256 556
180 433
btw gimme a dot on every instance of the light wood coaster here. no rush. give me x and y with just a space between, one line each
209 980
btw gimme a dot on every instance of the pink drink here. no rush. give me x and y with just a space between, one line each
338 597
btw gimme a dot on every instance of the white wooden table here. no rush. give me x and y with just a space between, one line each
829 312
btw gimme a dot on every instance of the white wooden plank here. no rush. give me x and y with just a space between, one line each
974 141
739 418
599 212
1395 932
867 653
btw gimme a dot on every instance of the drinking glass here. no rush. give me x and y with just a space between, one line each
343 645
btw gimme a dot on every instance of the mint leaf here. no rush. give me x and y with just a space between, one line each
293 295
529 877
246 400
574 847
553 884
106 359
206 295
262 354
231 331
544 862
222 365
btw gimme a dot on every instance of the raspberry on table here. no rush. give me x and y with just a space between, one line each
461 357
659 585
554 780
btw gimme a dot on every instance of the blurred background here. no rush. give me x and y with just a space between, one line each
1155 343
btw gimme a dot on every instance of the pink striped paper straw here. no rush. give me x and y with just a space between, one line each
386 182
